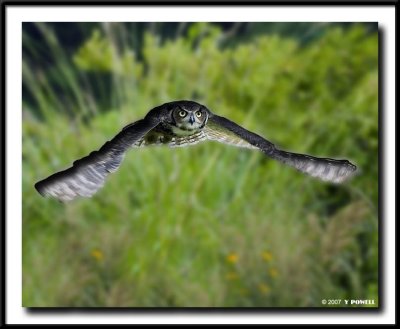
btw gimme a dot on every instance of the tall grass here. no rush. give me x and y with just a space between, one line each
208 225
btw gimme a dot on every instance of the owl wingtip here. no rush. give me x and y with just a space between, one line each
351 166
349 173
40 188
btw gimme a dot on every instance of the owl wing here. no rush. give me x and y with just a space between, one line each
88 174
223 130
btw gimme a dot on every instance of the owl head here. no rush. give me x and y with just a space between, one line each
188 115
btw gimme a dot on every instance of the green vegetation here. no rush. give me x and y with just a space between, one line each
208 225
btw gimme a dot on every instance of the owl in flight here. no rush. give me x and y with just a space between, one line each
179 123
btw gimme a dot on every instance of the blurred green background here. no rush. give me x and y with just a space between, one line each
208 225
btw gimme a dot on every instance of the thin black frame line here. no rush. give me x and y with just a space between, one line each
229 3
3 168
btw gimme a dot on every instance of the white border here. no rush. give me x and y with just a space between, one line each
384 15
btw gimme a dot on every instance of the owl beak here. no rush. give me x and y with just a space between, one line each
192 119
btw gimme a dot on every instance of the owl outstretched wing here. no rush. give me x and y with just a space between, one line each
225 131
87 175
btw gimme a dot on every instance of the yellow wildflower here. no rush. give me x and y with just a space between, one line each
266 256
244 292
97 255
273 272
232 276
264 288
232 258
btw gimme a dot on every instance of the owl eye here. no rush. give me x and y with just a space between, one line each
198 114
182 113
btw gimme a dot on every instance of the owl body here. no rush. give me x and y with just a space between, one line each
183 132
176 124
171 136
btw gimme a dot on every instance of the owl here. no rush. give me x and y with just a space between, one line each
177 124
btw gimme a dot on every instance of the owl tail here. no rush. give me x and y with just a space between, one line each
331 170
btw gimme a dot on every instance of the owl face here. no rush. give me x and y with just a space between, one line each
190 117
